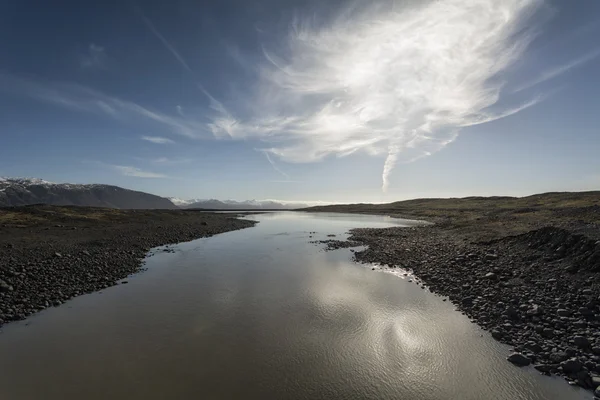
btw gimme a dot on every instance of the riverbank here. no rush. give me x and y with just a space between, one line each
527 270
50 254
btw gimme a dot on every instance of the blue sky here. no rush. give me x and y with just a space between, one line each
295 100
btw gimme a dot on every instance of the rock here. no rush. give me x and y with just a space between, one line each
558 357
544 367
511 313
597 392
496 334
548 333
467 301
595 381
584 379
571 366
536 348
519 359
5 287
563 313
535 310
490 275
57 255
581 341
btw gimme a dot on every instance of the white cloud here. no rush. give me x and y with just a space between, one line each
383 80
559 70
95 57
136 172
157 139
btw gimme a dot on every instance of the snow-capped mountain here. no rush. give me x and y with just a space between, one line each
214 204
184 203
24 191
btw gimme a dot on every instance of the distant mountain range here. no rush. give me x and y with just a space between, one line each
213 204
25 191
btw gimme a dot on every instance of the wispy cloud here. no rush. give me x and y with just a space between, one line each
157 139
163 40
214 103
275 167
95 57
559 70
164 160
136 172
81 98
383 79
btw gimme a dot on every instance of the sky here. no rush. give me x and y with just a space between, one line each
337 101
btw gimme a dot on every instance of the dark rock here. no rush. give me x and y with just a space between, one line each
5 287
581 341
558 357
563 313
544 367
519 359
571 366
548 333
496 334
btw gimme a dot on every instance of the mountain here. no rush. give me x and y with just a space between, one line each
24 191
213 204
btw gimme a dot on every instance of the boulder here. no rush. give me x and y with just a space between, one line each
572 366
519 359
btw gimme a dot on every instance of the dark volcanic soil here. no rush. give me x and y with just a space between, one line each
538 292
49 254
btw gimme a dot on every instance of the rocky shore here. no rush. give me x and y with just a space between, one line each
50 254
538 292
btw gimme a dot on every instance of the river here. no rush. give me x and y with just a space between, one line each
263 313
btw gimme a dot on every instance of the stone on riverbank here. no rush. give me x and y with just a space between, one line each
519 359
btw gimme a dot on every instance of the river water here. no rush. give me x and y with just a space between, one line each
262 313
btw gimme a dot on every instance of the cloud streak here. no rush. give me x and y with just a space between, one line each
83 99
157 139
275 167
163 40
559 70
383 79
137 172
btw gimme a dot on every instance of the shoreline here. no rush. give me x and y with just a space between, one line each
50 254
537 292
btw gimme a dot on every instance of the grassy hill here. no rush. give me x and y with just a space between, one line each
491 217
